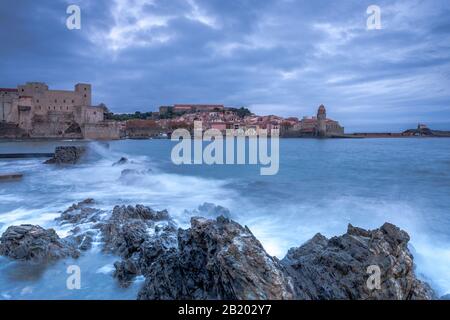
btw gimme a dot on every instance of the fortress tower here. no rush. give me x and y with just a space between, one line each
322 121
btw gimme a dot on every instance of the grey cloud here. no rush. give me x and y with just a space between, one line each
281 57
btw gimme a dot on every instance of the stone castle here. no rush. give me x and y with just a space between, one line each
33 111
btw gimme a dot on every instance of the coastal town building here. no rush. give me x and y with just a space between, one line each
190 108
318 126
33 110
223 118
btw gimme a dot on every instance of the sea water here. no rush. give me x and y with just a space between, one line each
321 186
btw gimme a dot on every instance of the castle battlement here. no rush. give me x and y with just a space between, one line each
42 112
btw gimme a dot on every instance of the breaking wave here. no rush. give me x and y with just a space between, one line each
282 213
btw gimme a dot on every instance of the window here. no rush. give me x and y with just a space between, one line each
56 100
67 108
64 101
84 89
73 101
85 96
37 100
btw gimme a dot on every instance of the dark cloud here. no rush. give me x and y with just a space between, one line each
282 57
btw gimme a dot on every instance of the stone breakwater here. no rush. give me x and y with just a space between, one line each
220 259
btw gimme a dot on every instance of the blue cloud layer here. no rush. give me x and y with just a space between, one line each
281 57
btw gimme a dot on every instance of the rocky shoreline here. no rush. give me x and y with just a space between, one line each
220 259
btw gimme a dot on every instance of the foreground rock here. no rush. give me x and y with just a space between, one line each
81 212
338 268
67 155
216 259
28 242
138 235
219 259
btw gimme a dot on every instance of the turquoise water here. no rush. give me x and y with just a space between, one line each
321 186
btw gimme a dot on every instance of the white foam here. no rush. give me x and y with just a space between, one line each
106 269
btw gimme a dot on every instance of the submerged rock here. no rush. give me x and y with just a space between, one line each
210 209
337 268
67 155
216 259
129 175
29 242
81 212
121 161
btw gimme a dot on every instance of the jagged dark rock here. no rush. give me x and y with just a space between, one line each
139 212
336 268
126 270
219 259
216 259
132 233
80 212
67 155
29 242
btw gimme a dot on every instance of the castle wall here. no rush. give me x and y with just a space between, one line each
55 124
107 130
44 113
86 114
8 106
25 113
45 100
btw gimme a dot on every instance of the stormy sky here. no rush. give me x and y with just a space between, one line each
282 57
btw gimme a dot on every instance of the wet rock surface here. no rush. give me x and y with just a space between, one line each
81 212
133 233
337 268
216 259
220 259
33 243
67 155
